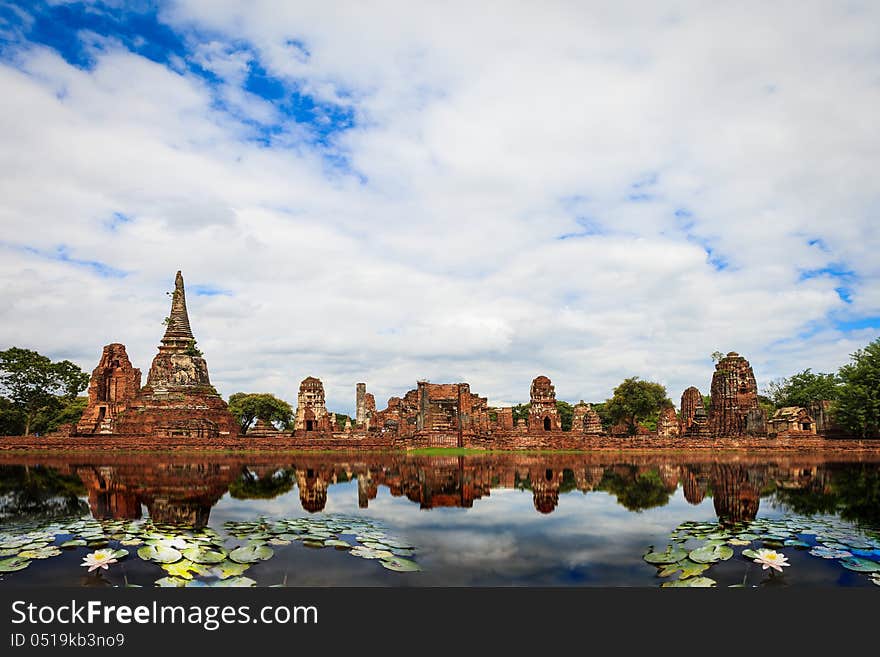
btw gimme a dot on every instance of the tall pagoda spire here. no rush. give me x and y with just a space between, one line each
178 332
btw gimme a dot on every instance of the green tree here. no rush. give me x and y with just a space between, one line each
635 491
857 408
68 411
566 414
251 487
34 384
717 356
634 400
521 411
11 418
250 406
803 388
601 409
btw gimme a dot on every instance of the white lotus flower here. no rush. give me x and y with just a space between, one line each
98 559
771 559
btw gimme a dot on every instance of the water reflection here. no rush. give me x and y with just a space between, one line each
183 489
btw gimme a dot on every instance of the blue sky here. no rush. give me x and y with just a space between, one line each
402 191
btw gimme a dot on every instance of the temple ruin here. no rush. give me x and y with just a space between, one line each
311 412
543 414
113 386
178 399
667 423
735 410
587 421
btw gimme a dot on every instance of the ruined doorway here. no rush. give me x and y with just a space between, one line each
546 424
310 425
806 426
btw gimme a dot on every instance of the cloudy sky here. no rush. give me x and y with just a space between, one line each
391 191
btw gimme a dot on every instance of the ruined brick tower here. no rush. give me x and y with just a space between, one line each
735 410
178 364
586 420
113 386
690 399
543 415
311 412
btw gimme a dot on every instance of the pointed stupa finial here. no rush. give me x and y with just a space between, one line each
178 321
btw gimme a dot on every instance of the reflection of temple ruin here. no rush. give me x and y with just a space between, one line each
172 493
736 492
312 489
180 490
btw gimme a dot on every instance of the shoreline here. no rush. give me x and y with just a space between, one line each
29 445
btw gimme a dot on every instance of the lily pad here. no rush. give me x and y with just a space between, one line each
691 582
794 542
77 542
238 582
711 554
829 553
400 565
229 569
13 564
185 569
687 567
672 554
367 553
337 543
860 565
170 582
251 554
40 553
203 555
159 554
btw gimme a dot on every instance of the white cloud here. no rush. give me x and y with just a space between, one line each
482 135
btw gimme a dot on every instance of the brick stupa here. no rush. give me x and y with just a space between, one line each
178 399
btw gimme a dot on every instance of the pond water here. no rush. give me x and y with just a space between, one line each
589 519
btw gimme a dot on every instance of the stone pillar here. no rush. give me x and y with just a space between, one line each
361 412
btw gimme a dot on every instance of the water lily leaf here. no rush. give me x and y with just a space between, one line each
691 582
251 554
738 542
78 542
36 545
185 569
278 541
12 552
711 554
860 565
402 552
367 553
235 581
687 567
400 565
13 564
131 541
829 553
203 555
672 554
169 582
750 554
229 569
159 554
313 543
40 553
746 536
794 542
98 544
335 542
